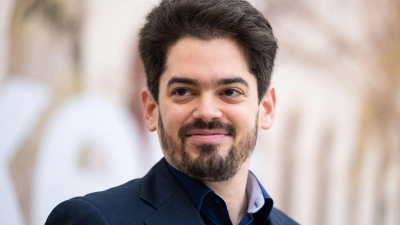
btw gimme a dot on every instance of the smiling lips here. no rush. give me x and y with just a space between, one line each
207 135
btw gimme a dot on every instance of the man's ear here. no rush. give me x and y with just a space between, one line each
150 110
267 109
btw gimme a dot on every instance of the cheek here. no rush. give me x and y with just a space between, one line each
174 118
244 119
244 115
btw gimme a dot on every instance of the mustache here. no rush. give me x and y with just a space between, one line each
202 125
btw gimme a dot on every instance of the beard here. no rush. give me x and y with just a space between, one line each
209 166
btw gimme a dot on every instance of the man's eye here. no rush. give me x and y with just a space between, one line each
181 92
231 93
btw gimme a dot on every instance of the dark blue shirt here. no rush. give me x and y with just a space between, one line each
212 207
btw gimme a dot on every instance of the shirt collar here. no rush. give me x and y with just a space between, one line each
257 195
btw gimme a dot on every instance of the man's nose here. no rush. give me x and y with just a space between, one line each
207 108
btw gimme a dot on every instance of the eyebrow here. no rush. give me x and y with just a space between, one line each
182 80
190 81
232 81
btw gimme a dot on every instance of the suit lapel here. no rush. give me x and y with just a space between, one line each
275 219
177 210
279 218
172 204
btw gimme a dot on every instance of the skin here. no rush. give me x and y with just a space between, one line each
209 81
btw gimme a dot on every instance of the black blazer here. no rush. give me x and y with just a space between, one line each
157 198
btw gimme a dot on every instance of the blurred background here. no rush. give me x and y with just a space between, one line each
71 122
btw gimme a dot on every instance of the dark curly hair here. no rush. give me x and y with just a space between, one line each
237 20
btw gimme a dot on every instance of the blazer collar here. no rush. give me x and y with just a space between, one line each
162 191
279 218
172 204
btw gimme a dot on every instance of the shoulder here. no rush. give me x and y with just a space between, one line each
111 206
75 211
129 203
278 217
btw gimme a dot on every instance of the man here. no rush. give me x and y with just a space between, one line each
208 66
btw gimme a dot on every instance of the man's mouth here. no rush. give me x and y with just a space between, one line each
210 136
200 132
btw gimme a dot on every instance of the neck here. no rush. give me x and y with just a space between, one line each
233 192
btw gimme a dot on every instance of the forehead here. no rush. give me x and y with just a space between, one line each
206 60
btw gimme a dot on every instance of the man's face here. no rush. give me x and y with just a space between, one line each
208 109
